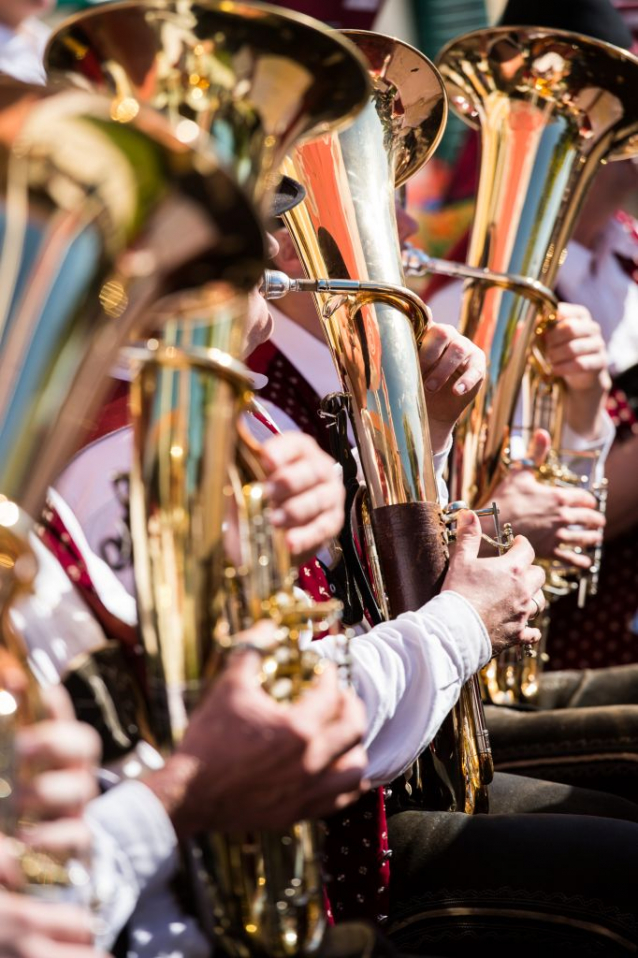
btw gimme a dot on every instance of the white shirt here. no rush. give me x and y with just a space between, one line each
22 51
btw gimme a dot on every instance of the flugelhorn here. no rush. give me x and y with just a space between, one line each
346 228
84 252
550 106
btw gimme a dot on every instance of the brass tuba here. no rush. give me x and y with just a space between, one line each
551 106
255 78
84 252
252 80
346 228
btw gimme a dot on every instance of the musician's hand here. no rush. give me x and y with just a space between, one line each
555 520
575 350
305 490
453 369
506 590
248 762
58 759
36 929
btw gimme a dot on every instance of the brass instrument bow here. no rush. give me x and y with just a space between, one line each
551 106
346 228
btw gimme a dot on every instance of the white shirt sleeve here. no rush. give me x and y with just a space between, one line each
134 846
440 460
135 858
409 673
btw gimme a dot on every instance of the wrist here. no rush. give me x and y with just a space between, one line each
584 408
171 785
440 435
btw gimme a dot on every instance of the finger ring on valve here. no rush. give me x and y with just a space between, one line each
531 618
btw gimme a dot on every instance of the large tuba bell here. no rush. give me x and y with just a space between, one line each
84 253
347 228
551 106
256 78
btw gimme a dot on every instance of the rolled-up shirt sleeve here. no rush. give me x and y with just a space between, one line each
409 673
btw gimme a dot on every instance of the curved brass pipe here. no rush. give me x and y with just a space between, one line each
276 285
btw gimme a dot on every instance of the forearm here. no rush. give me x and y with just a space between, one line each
585 409
409 673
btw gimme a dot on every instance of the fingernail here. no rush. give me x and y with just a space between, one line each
460 388
432 385
269 489
277 517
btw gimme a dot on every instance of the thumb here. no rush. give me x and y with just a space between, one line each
468 534
539 446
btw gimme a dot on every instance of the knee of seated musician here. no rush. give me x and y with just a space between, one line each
445 850
442 859
556 689
547 735
589 688
358 939
520 794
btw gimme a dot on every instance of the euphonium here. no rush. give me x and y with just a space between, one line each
84 252
253 79
551 106
346 228
256 78
266 890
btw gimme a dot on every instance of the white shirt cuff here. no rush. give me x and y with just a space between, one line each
602 442
440 461
573 442
467 627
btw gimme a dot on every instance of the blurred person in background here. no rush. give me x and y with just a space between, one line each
23 38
